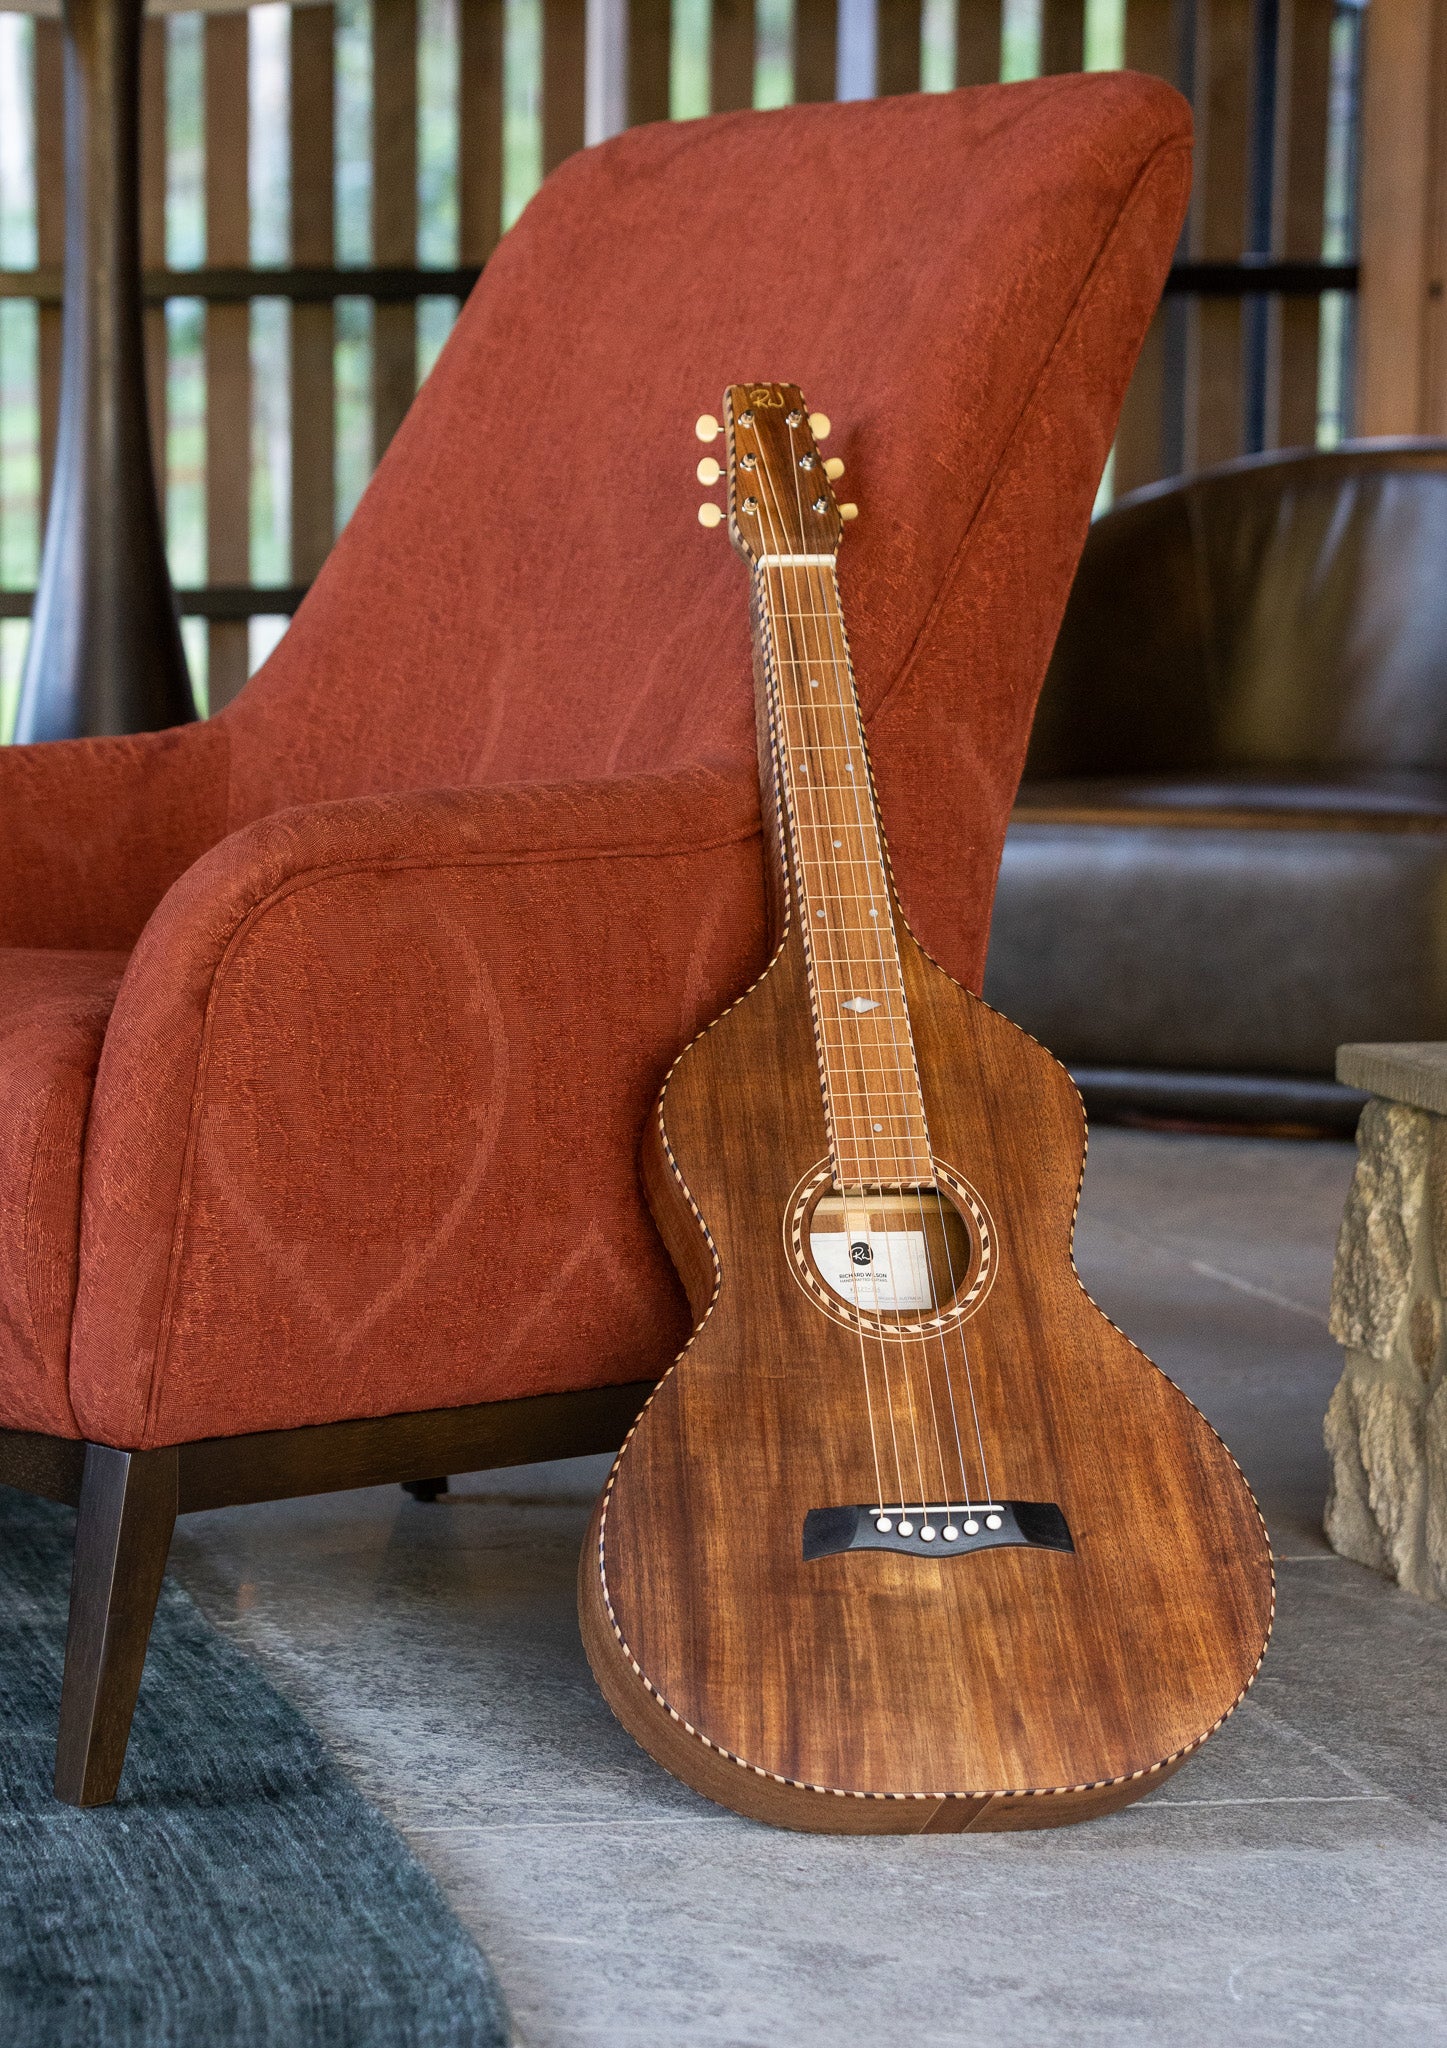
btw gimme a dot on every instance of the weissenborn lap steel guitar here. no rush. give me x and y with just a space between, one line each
910 1538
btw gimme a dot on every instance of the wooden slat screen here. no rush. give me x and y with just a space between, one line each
534 78
313 327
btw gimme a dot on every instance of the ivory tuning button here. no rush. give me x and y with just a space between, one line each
848 511
710 515
834 469
708 471
707 427
819 425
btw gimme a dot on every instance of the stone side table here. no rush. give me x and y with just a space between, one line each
1386 1426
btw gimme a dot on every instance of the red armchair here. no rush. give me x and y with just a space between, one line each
327 1029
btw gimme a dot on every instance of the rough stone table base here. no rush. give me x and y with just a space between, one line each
1386 1426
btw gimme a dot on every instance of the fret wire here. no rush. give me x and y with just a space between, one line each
855 1062
860 1067
869 1118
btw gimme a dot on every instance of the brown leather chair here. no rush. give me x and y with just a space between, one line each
1229 854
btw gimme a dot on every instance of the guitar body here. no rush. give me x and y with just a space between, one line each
864 1684
1009 1688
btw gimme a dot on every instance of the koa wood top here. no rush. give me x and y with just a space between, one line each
892 1689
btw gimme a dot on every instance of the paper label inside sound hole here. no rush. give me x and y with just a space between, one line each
875 1269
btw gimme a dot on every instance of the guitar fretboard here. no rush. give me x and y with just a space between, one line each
877 1131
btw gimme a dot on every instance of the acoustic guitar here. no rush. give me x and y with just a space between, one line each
910 1539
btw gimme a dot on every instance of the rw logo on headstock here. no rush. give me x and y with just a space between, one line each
781 505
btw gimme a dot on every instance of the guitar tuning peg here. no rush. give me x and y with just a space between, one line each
848 511
710 515
708 471
707 427
834 469
819 425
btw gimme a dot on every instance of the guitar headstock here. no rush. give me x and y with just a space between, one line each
780 488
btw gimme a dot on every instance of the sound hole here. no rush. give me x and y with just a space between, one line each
891 1255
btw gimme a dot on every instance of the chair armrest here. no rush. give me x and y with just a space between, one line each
365 1128
94 832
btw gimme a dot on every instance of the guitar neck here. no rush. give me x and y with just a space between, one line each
877 1131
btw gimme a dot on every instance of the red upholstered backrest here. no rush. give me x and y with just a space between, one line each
960 281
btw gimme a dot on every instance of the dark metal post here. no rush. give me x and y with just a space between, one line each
105 652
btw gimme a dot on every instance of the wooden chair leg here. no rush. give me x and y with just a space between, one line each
122 1536
425 1489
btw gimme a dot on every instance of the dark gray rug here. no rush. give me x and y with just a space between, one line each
239 1892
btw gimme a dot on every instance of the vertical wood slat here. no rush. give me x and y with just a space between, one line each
1062 36
1402 345
1150 46
979 26
50 227
313 338
650 38
394 208
228 345
1215 392
733 35
479 114
816 46
153 234
565 42
1304 83
897 63
1434 283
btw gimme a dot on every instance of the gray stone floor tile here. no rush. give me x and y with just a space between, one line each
1289 1885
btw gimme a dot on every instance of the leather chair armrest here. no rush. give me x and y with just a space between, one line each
94 832
365 1128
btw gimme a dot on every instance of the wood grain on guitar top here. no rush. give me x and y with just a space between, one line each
869 1690
1007 1672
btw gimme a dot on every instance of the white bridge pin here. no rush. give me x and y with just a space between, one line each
926 1534
951 1532
972 1527
992 1521
906 1528
883 1524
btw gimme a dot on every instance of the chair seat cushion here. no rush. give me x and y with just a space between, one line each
54 1007
1201 941
1378 797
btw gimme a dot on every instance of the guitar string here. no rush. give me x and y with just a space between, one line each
774 683
850 717
890 986
799 639
807 931
856 1119
837 613
768 606
806 925
832 614
887 994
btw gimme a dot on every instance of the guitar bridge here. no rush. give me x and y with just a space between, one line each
937 1529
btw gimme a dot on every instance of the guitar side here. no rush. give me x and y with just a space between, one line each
872 1692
